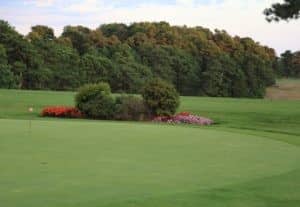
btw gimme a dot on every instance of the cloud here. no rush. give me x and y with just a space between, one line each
86 6
243 18
40 3
185 2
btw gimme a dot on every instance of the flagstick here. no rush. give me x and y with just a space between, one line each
30 110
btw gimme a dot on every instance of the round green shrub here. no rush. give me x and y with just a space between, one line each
161 98
130 108
96 101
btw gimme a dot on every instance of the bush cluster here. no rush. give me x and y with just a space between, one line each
158 98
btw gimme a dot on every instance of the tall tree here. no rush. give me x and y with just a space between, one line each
79 37
289 64
20 52
39 32
7 78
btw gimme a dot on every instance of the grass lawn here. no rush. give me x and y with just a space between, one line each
249 159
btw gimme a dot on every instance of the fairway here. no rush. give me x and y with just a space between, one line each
250 158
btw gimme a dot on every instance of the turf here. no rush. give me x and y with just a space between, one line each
250 158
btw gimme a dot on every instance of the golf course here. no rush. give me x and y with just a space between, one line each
149 103
250 157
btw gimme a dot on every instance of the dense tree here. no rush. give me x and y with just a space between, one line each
96 68
289 64
127 74
21 55
289 9
60 65
195 60
7 78
79 37
296 64
118 30
41 32
223 77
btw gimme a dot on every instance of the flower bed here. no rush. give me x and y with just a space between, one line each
62 112
184 118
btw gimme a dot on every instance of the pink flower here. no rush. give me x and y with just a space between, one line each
185 118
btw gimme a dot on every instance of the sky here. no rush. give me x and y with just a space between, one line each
238 17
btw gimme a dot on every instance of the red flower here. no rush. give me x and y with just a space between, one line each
61 111
184 113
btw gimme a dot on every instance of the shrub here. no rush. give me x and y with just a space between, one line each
62 112
96 101
160 98
130 108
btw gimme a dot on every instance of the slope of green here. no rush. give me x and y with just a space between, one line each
263 115
259 114
250 158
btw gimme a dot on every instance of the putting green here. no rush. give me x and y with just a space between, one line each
86 163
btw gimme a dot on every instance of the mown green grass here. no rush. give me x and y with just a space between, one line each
250 158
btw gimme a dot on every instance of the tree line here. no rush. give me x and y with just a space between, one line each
195 60
289 65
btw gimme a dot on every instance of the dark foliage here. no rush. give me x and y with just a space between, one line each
95 101
160 97
289 9
130 108
289 64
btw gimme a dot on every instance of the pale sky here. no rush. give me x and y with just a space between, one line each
238 17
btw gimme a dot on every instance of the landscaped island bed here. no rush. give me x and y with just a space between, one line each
249 158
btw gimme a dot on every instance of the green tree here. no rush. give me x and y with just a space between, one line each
7 78
160 97
158 59
66 71
21 52
96 68
39 32
118 30
60 67
296 64
128 74
194 59
79 37
289 64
